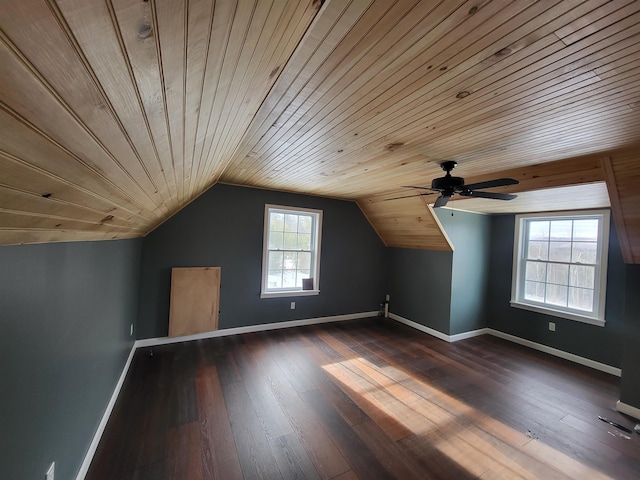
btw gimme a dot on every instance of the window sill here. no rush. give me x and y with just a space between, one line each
558 313
289 293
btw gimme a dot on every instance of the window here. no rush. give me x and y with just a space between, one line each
291 251
560 264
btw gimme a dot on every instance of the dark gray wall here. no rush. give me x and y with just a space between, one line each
65 311
469 234
224 227
419 284
630 383
602 344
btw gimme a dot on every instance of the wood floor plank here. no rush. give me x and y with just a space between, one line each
364 399
292 458
219 454
254 451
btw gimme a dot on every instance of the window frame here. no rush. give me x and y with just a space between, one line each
265 292
597 317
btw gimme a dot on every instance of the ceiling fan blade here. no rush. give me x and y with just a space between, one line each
421 188
498 182
409 196
492 195
441 201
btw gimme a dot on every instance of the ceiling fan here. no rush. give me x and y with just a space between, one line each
448 186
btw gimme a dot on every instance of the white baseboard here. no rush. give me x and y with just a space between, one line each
149 342
558 353
471 334
512 338
628 409
152 342
436 333
84 468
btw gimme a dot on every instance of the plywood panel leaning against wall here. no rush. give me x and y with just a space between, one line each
195 300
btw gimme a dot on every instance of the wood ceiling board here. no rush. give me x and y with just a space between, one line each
21 237
429 83
309 58
575 197
134 109
306 169
273 62
41 111
17 201
346 92
47 48
110 68
406 223
623 182
22 141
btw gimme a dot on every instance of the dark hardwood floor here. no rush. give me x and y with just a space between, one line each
368 399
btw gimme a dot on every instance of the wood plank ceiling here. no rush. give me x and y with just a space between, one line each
115 114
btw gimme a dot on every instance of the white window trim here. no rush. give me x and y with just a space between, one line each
598 317
265 247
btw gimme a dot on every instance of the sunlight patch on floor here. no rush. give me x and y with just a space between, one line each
403 405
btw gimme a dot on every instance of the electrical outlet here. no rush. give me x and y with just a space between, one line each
293 305
131 330
552 327
388 297
51 472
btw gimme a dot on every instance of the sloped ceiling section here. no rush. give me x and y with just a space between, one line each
114 114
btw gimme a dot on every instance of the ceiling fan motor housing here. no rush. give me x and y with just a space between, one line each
446 182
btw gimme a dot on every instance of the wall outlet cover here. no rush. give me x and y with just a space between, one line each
552 326
293 305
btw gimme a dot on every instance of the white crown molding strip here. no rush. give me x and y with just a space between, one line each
628 410
149 342
84 468
512 338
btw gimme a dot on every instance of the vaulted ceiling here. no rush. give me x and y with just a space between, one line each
115 114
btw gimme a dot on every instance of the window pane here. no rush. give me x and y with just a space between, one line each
275 279
560 251
560 230
538 230
582 276
581 299
557 295
558 274
585 230
538 250
303 274
290 223
290 260
290 241
288 278
584 252
534 291
275 261
304 241
536 271
276 222
304 224
276 240
304 260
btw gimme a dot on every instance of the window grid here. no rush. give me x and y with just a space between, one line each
560 264
571 297
291 249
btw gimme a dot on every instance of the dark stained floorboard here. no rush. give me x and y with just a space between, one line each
366 399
